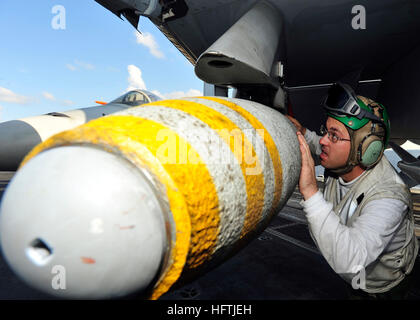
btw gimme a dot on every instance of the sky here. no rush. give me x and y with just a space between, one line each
58 55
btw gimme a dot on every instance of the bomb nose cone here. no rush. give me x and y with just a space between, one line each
79 222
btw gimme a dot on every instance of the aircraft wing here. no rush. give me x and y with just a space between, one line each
118 8
315 34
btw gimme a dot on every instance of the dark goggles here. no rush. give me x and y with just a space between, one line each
342 101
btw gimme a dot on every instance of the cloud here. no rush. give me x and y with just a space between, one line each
1 109
84 65
158 94
71 67
179 94
135 79
182 94
79 65
146 39
67 103
7 95
48 96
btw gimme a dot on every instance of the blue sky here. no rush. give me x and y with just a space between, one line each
96 57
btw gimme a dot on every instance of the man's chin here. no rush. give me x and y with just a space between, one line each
324 163
327 165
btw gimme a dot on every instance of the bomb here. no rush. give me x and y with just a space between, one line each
148 197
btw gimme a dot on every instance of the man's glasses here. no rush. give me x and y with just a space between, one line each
331 135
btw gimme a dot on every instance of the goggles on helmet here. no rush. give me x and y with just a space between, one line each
342 101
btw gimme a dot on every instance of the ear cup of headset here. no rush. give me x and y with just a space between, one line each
370 150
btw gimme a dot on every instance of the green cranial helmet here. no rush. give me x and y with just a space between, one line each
355 123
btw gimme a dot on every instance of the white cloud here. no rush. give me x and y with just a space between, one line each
158 94
1 109
135 79
146 39
178 94
182 94
79 65
67 103
84 65
7 95
71 67
48 96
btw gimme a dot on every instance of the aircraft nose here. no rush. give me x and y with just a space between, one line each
80 222
17 138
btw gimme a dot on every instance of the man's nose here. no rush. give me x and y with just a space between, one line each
324 140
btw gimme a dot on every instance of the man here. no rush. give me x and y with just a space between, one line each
363 222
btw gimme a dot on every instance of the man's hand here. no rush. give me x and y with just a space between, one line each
307 179
297 124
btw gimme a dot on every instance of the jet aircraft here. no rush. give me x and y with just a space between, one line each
26 133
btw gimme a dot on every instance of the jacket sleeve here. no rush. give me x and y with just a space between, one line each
347 249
